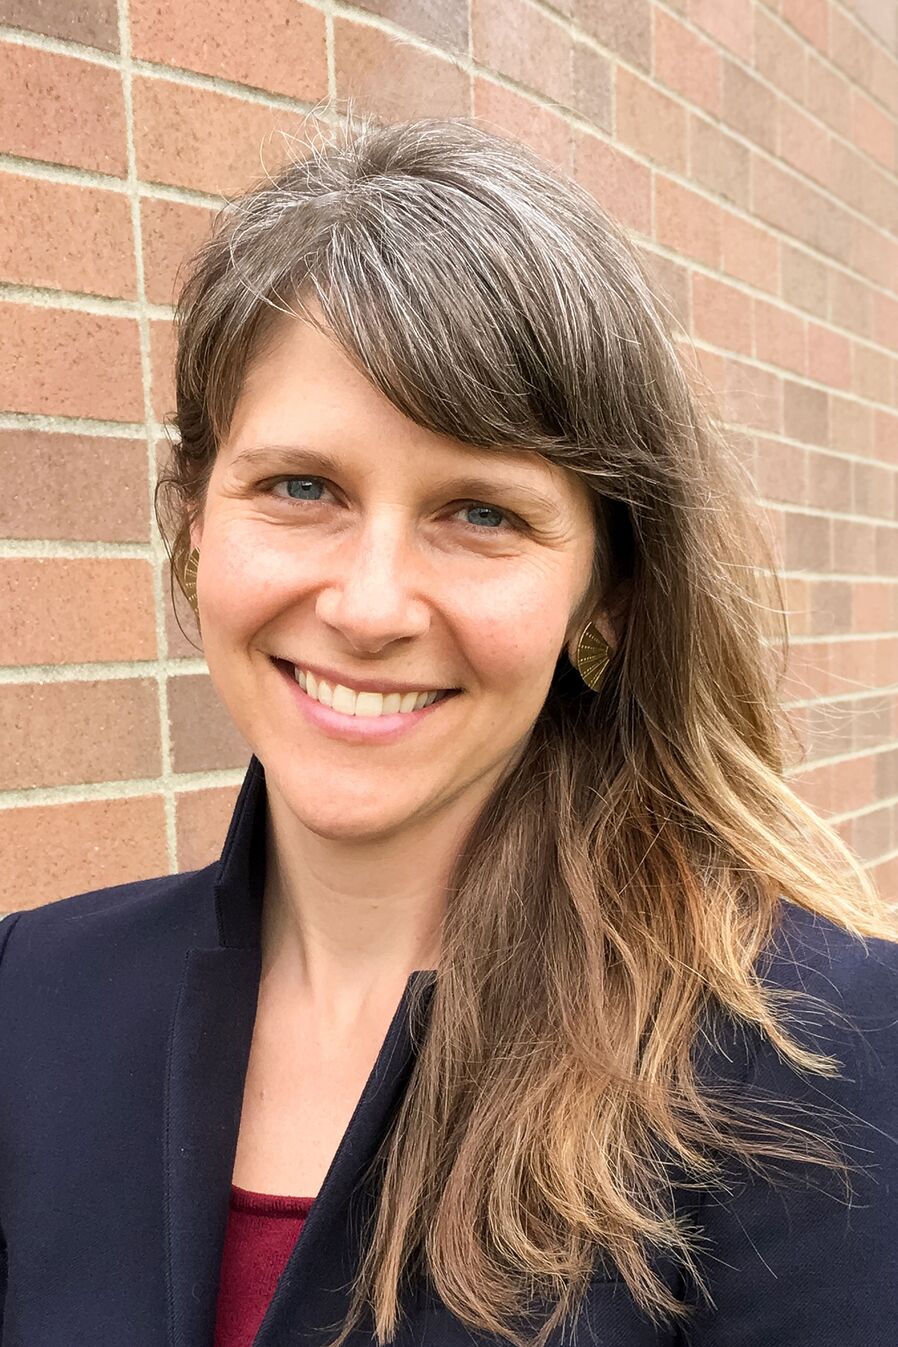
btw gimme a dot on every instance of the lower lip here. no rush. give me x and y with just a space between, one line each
357 729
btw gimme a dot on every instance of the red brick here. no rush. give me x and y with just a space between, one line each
510 113
829 356
782 471
874 130
276 45
94 23
886 562
808 542
873 254
650 122
852 304
829 482
162 349
885 435
730 24
515 39
419 85
686 222
70 363
754 397
871 605
750 253
874 491
719 161
721 315
105 487
851 425
810 18
805 280
804 143
872 373
789 204
806 413
850 48
687 63
591 85
52 851
872 830
203 734
885 319
620 185
60 734
671 284
446 24
864 186
62 237
884 80
779 337
749 106
170 231
202 818
623 26
829 95
82 115
76 610
780 56
213 142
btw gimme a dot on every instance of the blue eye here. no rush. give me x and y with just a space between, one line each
299 482
485 512
296 488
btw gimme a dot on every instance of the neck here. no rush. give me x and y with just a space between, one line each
345 922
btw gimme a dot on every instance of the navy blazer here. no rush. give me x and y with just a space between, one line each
126 1017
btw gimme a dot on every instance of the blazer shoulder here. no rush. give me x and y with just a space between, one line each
854 978
179 903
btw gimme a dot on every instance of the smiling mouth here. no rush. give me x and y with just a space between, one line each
362 705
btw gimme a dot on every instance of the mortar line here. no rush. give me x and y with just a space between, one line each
156 548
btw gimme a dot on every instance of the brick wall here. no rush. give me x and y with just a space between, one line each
751 147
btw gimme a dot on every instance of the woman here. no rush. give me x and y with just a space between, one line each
524 975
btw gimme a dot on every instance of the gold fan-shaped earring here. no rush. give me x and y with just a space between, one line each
592 656
189 579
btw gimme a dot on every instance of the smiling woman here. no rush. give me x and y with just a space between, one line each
527 997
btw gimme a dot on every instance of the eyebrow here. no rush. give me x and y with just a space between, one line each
465 484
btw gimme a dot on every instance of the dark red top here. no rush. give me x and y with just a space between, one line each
261 1232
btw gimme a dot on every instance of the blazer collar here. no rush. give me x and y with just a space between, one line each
208 1053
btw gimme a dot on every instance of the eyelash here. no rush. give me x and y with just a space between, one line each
515 524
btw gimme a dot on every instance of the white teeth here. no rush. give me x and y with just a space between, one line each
343 701
369 704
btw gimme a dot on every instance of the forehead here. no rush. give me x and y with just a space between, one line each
303 390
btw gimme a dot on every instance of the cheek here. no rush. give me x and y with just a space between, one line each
514 630
243 583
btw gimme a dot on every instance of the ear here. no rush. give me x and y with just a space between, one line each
608 619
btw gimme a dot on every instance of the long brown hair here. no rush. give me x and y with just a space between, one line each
623 879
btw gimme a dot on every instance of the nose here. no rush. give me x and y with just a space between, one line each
375 598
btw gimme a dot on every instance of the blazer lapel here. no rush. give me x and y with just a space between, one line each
208 1053
208 1056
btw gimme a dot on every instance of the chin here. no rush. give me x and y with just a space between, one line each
347 813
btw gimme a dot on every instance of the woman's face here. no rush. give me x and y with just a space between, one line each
338 536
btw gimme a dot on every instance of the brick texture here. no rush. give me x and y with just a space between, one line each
752 148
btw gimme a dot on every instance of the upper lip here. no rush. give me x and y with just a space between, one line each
333 676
